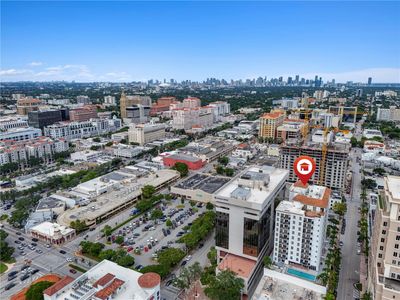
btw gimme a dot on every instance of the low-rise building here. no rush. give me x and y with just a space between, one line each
199 187
107 280
52 233
193 163
374 147
7 123
86 155
372 133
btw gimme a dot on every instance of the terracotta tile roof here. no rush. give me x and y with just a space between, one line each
323 202
58 286
239 265
110 289
149 280
104 280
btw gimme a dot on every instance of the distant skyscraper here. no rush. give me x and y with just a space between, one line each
369 80
289 80
359 93
297 79
280 79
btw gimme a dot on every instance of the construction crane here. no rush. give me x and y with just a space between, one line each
323 158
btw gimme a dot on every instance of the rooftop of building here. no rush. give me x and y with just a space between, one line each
269 180
50 291
105 279
50 229
312 195
184 157
206 183
393 185
49 203
279 286
273 115
241 266
114 198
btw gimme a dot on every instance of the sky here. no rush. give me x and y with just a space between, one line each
126 41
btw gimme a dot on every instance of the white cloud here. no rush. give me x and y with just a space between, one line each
15 72
35 64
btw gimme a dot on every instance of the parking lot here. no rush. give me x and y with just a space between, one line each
143 238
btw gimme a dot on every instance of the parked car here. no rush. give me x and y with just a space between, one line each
10 286
184 263
24 277
73 271
62 252
17 242
21 238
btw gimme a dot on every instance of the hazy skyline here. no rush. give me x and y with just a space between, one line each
124 41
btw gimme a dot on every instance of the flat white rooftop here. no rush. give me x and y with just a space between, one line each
393 183
256 173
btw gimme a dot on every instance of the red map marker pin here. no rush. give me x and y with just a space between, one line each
304 167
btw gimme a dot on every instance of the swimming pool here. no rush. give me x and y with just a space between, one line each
301 274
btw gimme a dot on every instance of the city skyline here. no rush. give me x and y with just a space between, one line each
138 41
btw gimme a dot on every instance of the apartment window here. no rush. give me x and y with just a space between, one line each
381 248
397 237
393 275
382 240
385 223
393 262
222 230
395 254
380 255
383 231
396 246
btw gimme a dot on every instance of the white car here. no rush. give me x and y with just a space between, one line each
69 259
189 257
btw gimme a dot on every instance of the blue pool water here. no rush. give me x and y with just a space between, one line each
301 274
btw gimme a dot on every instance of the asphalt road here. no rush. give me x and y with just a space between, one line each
50 260
350 265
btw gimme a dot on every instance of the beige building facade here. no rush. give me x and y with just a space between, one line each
384 268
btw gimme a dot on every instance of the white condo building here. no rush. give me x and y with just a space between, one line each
146 133
77 130
388 114
300 226
221 109
20 134
8 123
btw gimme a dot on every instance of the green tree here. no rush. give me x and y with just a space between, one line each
35 292
78 225
220 170
182 168
96 139
168 223
161 270
223 160
107 230
229 172
340 208
189 275
126 261
225 286
212 256
267 262
6 251
366 296
209 206
148 191
170 257
156 214
119 240
379 171
18 217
